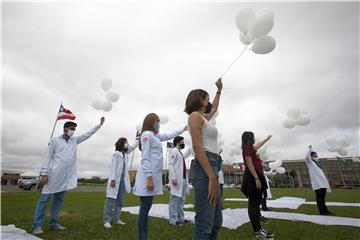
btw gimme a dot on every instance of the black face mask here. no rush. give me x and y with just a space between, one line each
208 108
182 145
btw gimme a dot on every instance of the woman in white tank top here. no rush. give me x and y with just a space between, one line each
206 165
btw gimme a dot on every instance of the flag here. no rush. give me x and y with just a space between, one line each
65 114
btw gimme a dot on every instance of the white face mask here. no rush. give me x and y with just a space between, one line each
316 159
70 133
157 126
126 145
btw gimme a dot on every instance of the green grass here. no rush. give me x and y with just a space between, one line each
82 215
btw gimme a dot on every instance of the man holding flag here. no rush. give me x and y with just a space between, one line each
59 172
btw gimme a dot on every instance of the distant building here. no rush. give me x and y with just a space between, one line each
10 176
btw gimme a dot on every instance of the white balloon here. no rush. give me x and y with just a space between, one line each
302 120
288 123
106 84
107 106
97 104
281 170
164 119
262 25
139 127
331 141
342 152
264 45
332 149
244 19
112 96
294 113
278 163
245 39
272 165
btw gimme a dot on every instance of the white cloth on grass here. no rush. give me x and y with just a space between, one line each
10 232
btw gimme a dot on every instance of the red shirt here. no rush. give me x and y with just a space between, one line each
247 152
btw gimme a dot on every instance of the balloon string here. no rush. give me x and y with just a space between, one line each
278 130
234 61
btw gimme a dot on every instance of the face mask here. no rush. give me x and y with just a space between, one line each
70 133
316 159
182 145
208 108
126 145
157 126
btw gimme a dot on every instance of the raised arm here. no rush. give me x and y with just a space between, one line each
195 123
216 100
133 147
47 159
307 156
261 143
168 136
83 137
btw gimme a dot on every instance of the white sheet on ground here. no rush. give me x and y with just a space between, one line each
336 204
234 218
10 232
283 202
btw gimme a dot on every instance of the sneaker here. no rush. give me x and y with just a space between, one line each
37 230
120 222
107 225
262 235
264 220
57 227
266 232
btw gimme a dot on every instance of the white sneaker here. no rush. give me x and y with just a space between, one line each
107 225
120 222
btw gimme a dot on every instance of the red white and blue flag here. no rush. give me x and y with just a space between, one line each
65 114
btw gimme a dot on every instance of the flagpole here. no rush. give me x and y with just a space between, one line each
52 133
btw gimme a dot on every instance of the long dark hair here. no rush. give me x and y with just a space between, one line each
119 145
149 125
194 100
248 140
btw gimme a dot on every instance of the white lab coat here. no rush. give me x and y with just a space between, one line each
317 176
268 192
152 162
60 162
119 160
221 177
176 168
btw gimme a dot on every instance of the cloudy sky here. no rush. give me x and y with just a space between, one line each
155 53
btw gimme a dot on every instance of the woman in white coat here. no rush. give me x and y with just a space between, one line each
178 181
118 181
318 179
148 182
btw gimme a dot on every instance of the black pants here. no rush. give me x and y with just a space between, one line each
254 209
263 203
320 200
221 192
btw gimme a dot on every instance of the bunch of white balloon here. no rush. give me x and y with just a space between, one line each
338 145
110 96
296 116
276 167
254 29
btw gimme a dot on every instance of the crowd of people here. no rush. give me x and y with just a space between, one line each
59 173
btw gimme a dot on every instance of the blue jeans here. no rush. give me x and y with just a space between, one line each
109 203
145 205
40 210
176 205
208 218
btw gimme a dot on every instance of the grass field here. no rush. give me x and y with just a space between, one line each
82 215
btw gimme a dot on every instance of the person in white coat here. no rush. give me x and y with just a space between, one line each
148 182
118 182
59 174
178 180
318 179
